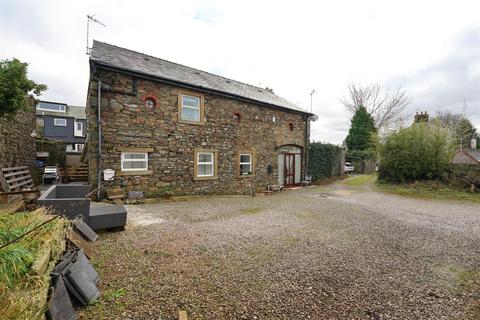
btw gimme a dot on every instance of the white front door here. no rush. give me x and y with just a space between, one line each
78 130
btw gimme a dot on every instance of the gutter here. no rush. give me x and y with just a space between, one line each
143 75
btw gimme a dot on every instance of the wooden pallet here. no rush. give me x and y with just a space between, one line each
14 181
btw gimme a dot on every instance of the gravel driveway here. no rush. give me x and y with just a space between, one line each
330 252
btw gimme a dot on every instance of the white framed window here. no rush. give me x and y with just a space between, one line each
78 130
191 108
75 147
245 163
50 106
60 122
134 161
205 164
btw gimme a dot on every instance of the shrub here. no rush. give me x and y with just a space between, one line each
325 160
422 151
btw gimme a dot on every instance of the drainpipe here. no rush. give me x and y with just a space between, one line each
307 142
99 124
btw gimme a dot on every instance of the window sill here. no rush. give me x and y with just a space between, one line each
135 173
205 178
198 123
246 175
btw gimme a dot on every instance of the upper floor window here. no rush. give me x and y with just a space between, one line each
60 122
78 131
190 109
134 161
50 106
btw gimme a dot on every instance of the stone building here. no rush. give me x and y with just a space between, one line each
170 129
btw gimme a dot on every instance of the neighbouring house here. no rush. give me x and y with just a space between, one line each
470 156
170 129
62 122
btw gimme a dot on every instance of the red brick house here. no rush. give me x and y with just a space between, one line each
168 128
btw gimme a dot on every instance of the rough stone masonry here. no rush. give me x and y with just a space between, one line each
17 145
230 126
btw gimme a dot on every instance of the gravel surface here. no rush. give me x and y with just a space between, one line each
331 252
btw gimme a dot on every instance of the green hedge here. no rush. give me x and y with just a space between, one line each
325 160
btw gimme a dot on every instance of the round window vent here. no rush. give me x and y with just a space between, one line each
150 103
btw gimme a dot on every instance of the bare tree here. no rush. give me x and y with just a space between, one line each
385 105
459 123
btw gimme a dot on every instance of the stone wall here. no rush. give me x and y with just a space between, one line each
126 122
17 146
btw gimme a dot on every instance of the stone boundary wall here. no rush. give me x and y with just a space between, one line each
17 146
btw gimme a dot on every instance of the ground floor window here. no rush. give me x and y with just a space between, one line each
74 147
245 164
205 164
134 161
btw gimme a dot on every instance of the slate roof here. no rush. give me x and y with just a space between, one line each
121 58
474 153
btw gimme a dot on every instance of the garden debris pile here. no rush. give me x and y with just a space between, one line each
26 263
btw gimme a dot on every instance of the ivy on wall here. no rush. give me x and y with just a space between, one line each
325 160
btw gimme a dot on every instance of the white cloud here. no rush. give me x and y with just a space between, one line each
291 47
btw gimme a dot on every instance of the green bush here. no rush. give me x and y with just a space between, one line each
57 155
325 160
422 151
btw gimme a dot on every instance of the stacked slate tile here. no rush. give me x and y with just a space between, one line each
74 280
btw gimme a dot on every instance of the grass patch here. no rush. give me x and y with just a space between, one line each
251 211
429 190
114 294
307 214
291 240
23 296
360 180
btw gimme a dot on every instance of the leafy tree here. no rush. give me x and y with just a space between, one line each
15 87
422 151
461 126
362 136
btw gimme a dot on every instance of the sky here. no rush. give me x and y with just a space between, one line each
430 48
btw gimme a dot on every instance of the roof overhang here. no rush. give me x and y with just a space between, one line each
94 64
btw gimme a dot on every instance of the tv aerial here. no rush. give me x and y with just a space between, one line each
91 18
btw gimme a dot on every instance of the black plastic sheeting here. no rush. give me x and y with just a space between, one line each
79 278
